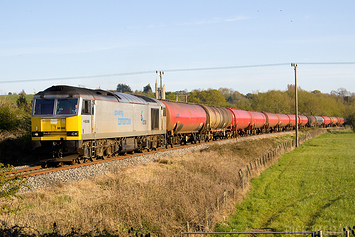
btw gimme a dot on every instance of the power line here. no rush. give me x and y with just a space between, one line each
79 77
224 68
174 70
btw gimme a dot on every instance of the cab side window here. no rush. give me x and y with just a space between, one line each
86 107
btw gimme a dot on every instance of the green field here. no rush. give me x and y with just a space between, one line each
13 98
311 188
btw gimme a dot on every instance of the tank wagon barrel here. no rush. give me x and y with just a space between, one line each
272 120
241 120
292 120
312 121
184 122
334 121
303 120
284 121
319 120
326 121
258 120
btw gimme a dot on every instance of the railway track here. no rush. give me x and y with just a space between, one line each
43 169
46 168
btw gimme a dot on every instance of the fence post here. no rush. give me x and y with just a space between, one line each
225 198
241 178
217 204
320 233
188 228
206 221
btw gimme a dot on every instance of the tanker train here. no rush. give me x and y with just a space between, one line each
78 124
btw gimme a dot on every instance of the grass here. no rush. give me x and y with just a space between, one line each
309 189
13 98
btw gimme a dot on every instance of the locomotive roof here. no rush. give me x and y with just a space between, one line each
71 91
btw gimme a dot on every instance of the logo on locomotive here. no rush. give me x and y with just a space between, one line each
144 122
122 120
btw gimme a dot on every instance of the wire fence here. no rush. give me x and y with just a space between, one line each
203 223
318 233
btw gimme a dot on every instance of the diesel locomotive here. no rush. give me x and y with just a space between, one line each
76 124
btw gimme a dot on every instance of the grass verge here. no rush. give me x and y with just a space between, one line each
158 198
309 189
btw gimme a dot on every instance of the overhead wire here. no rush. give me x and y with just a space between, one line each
172 70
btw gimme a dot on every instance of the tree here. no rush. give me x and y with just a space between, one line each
351 120
147 89
274 101
207 97
123 88
21 101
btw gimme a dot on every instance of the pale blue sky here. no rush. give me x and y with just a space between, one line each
71 40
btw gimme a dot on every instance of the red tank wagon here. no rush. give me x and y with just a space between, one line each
303 120
258 120
272 120
284 120
184 118
241 120
292 120
327 121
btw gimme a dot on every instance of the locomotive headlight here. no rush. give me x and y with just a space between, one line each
37 134
72 134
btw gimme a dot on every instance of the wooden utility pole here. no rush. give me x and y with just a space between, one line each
296 101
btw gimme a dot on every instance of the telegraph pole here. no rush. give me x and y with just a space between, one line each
296 101
161 96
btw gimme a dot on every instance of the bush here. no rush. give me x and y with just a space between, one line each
13 118
9 188
351 120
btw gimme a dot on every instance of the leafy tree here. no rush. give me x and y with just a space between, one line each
317 92
8 118
207 97
21 101
351 120
235 99
147 89
123 88
170 96
274 101
14 118
309 103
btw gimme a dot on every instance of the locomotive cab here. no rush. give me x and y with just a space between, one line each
56 125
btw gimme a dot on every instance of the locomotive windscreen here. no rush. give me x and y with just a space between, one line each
55 107
43 107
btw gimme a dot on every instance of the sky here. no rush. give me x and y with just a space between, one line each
246 46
